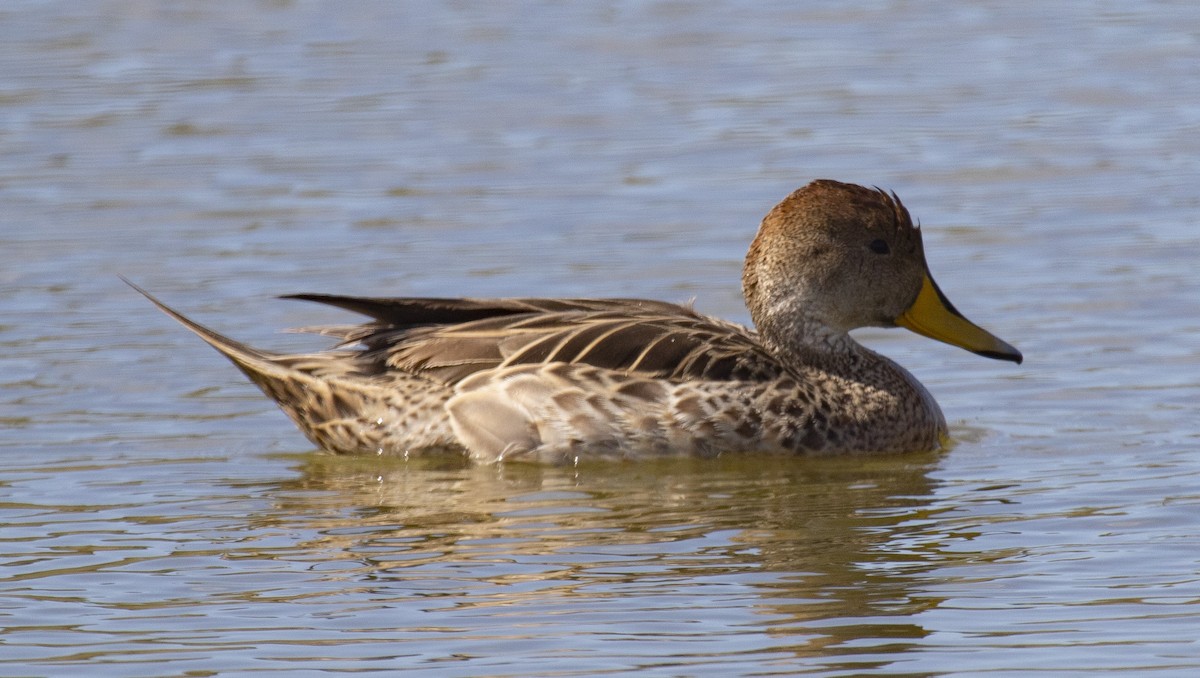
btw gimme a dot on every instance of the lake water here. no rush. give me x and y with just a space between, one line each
158 516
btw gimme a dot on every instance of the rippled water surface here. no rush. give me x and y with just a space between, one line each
158 516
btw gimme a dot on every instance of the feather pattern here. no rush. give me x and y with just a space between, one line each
652 339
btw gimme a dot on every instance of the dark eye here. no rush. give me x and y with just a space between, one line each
880 246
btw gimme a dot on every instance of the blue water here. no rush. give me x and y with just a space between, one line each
160 517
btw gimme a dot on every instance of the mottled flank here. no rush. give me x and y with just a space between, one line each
561 379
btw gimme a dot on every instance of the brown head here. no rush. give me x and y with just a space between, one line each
841 256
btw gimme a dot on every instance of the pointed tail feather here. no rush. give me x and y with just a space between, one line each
257 364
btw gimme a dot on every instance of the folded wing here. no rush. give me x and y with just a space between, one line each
449 340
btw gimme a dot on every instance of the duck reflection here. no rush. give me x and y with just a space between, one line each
815 551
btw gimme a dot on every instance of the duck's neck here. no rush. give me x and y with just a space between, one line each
799 337
802 337
888 400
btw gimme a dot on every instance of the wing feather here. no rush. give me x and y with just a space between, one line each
452 339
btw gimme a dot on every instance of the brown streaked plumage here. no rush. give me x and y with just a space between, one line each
562 379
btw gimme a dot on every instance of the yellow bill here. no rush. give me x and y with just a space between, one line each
933 316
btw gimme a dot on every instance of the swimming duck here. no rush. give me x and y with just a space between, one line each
556 380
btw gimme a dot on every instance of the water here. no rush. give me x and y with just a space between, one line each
160 517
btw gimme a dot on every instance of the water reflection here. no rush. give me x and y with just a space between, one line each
797 541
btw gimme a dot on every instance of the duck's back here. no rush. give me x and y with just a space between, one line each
449 340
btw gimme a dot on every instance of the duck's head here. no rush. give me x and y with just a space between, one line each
839 256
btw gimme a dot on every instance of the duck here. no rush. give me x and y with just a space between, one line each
550 380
